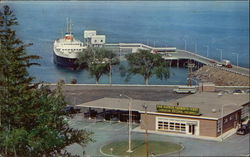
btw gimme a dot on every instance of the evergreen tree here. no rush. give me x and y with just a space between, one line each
146 64
32 121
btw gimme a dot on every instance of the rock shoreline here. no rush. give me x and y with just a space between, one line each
220 77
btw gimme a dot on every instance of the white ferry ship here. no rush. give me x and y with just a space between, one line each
67 48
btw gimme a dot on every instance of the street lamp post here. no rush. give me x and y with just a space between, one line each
220 54
222 114
237 57
207 49
195 46
110 72
185 42
130 122
146 129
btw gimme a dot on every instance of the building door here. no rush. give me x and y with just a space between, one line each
191 129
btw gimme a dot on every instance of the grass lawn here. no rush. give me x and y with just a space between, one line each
139 148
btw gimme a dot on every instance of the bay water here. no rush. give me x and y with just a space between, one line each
212 25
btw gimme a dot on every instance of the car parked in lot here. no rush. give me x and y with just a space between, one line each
71 110
238 91
244 129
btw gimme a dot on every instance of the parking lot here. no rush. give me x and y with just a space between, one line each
108 131
104 132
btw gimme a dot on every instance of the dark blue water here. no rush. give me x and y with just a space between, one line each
222 25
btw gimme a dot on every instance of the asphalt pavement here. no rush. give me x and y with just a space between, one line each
78 94
106 132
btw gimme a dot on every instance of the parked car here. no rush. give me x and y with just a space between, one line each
219 65
238 91
245 129
71 110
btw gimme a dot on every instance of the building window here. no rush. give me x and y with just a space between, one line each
219 126
245 111
183 127
231 118
225 120
166 125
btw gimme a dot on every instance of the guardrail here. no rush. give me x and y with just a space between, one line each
213 65
140 45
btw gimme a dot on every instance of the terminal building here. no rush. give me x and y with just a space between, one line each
94 40
201 114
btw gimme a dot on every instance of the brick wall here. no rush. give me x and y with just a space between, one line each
208 127
205 87
230 121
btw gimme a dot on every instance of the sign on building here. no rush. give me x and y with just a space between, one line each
178 110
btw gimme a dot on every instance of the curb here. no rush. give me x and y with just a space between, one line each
100 149
182 147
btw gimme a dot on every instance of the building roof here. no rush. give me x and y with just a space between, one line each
209 103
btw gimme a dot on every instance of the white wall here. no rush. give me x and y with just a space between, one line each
89 33
98 39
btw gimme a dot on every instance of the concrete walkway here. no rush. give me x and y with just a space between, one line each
219 138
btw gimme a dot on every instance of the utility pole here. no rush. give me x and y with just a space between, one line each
237 58
195 47
190 73
207 50
185 44
220 54
146 129
110 72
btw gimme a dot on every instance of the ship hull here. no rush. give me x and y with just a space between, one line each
65 62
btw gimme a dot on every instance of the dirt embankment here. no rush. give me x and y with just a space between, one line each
221 77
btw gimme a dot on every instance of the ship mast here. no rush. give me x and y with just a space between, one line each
67 25
70 27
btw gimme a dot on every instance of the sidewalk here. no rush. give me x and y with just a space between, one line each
225 135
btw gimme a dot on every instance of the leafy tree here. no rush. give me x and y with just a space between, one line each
146 64
32 120
98 62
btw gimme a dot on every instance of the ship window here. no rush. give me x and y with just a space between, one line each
101 40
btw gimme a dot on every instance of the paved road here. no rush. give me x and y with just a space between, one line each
181 54
106 132
77 94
